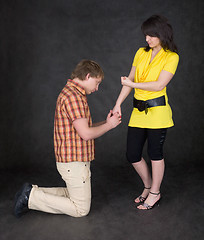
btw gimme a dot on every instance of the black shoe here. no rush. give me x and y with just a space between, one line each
141 198
147 206
21 200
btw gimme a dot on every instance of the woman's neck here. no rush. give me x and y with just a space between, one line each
156 49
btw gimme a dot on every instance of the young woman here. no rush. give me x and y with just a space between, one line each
153 68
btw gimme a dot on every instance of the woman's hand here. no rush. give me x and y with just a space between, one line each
117 109
125 81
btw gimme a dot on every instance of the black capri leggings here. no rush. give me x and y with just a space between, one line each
136 139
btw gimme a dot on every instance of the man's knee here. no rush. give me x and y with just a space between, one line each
82 212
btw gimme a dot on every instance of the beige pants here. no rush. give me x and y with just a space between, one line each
74 200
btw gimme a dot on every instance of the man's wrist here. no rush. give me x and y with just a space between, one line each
108 125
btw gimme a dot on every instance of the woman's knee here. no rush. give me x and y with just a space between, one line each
156 139
155 154
133 158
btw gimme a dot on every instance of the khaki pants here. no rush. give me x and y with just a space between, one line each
74 200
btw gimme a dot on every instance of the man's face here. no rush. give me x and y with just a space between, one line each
92 84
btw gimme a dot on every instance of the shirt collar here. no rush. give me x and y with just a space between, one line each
161 51
74 84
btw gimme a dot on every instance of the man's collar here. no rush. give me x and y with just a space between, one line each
76 85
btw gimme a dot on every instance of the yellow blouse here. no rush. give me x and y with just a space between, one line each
161 116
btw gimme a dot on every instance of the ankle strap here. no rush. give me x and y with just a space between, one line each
155 193
147 187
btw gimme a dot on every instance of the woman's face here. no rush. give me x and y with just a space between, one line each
153 42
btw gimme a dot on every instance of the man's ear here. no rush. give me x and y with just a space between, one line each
87 76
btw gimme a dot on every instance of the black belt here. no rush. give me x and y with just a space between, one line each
144 105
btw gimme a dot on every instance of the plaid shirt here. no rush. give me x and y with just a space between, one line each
69 146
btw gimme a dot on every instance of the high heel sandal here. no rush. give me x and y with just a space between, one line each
147 206
141 198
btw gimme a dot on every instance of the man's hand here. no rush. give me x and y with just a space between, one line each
113 119
127 82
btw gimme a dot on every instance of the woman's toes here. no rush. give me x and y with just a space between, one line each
140 207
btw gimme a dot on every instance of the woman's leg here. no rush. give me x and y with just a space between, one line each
143 171
135 142
157 177
156 138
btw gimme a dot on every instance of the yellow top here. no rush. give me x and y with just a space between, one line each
161 116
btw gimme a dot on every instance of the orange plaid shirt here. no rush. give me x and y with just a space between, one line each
71 104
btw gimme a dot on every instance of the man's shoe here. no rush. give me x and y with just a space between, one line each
21 200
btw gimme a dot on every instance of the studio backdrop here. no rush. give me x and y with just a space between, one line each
43 40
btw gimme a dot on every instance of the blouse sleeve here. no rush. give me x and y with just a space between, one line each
171 62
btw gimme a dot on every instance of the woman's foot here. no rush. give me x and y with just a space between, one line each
143 196
152 199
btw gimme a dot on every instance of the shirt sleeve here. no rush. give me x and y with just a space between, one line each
171 63
75 108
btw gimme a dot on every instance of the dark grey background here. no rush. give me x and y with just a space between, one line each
43 40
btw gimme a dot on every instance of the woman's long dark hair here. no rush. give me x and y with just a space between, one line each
158 26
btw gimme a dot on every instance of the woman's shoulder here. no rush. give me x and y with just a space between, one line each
171 62
141 51
171 57
172 54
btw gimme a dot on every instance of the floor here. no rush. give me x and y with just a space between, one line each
113 214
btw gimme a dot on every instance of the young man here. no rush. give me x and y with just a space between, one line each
74 136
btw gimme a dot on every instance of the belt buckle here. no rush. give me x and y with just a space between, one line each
142 105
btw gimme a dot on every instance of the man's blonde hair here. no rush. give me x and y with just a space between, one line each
87 66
